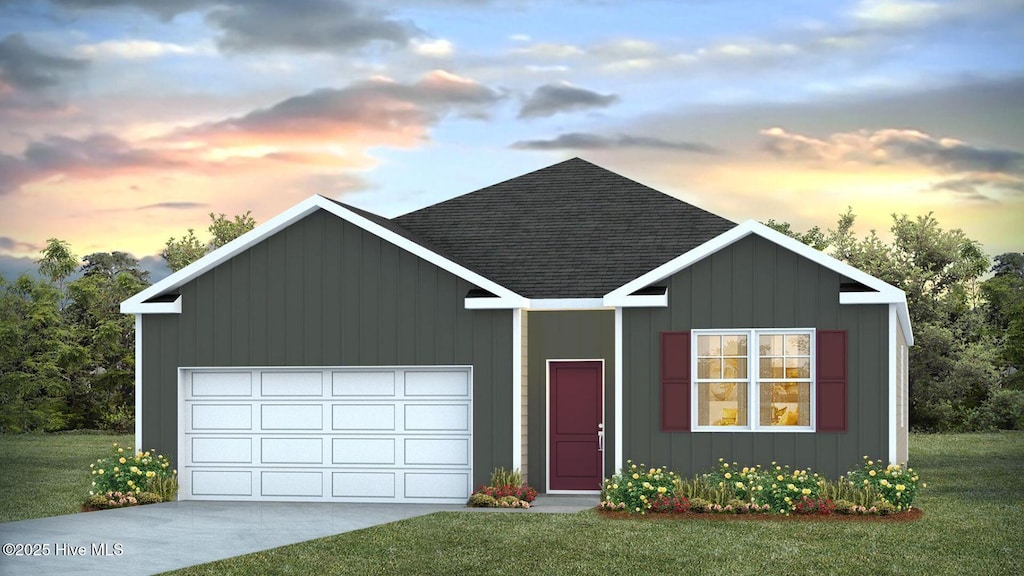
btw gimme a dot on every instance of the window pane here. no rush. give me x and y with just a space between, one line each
709 368
722 404
709 345
771 345
734 368
785 404
771 368
798 345
798 367
735 345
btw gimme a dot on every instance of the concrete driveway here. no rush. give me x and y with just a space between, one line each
159 537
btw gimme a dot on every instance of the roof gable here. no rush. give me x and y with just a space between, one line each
871 291
571 230
143 303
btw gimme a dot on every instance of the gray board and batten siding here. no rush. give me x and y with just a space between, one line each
324 292
755 283
566 335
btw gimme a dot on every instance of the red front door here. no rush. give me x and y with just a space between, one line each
575 450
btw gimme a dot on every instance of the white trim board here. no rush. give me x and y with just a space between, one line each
884 293
137 304
517 384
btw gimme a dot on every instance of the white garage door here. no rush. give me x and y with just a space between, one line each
330 434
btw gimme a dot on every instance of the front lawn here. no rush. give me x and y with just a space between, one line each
48 474
972 525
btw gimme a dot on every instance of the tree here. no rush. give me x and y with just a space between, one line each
955 376
186 250
57 264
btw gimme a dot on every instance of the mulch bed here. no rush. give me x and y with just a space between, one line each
912 515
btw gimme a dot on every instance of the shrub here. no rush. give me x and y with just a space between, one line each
818 506
666 503
892 483
730 482
637 487
164 487
701 505
480 500
782 488
502 477
123 472
845 507
148 498
883 508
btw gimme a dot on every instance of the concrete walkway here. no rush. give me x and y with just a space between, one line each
159 537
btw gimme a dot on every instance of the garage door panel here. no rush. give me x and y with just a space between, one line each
363 484
205 384
222 450
358 417
434 383
436 485
292 417
437 451
363 451
292 384
221 417
291 451
451 417
310 484
222 482
367 434
363 383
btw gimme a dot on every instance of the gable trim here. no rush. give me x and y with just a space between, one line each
137 304
883 292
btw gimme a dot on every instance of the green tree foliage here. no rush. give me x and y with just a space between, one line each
67 355
180 252
968 335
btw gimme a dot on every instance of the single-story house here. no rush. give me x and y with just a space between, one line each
560 322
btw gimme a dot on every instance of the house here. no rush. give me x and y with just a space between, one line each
560 322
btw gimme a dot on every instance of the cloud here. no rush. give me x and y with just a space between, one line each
549 50
96 156
980 186
174 206
307 25
551 99
373 112
24 68
137 49
165 9
889 146
8 244
439 48
587 141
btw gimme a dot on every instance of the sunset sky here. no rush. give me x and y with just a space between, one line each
125 122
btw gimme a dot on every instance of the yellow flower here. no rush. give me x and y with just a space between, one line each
924 484
865 481
116 469
900 487
119 450
806 490
101 472
130 483
871 463
726 465
122 460
871 473
728 475
790 486
615 486
150 474
662 489
780 478
739 484
636 476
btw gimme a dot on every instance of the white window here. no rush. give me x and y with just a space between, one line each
748 380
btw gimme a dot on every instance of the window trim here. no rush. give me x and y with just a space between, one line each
753 380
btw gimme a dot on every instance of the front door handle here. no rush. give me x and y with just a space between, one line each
600 440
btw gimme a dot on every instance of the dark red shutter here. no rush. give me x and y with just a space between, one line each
675 381
831 380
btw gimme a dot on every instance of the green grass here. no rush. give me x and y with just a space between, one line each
48 474
974 518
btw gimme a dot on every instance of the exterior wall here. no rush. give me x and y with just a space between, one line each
524 426
902 397
756 284
567 335
324 292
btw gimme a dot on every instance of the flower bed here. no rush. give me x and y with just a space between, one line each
506 490
870 491
126 479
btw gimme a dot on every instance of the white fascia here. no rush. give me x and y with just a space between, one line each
517 391
893 349
290 216
638 301
566 303
138 383
618 389
128 307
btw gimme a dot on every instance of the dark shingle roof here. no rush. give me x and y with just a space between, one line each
571 230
